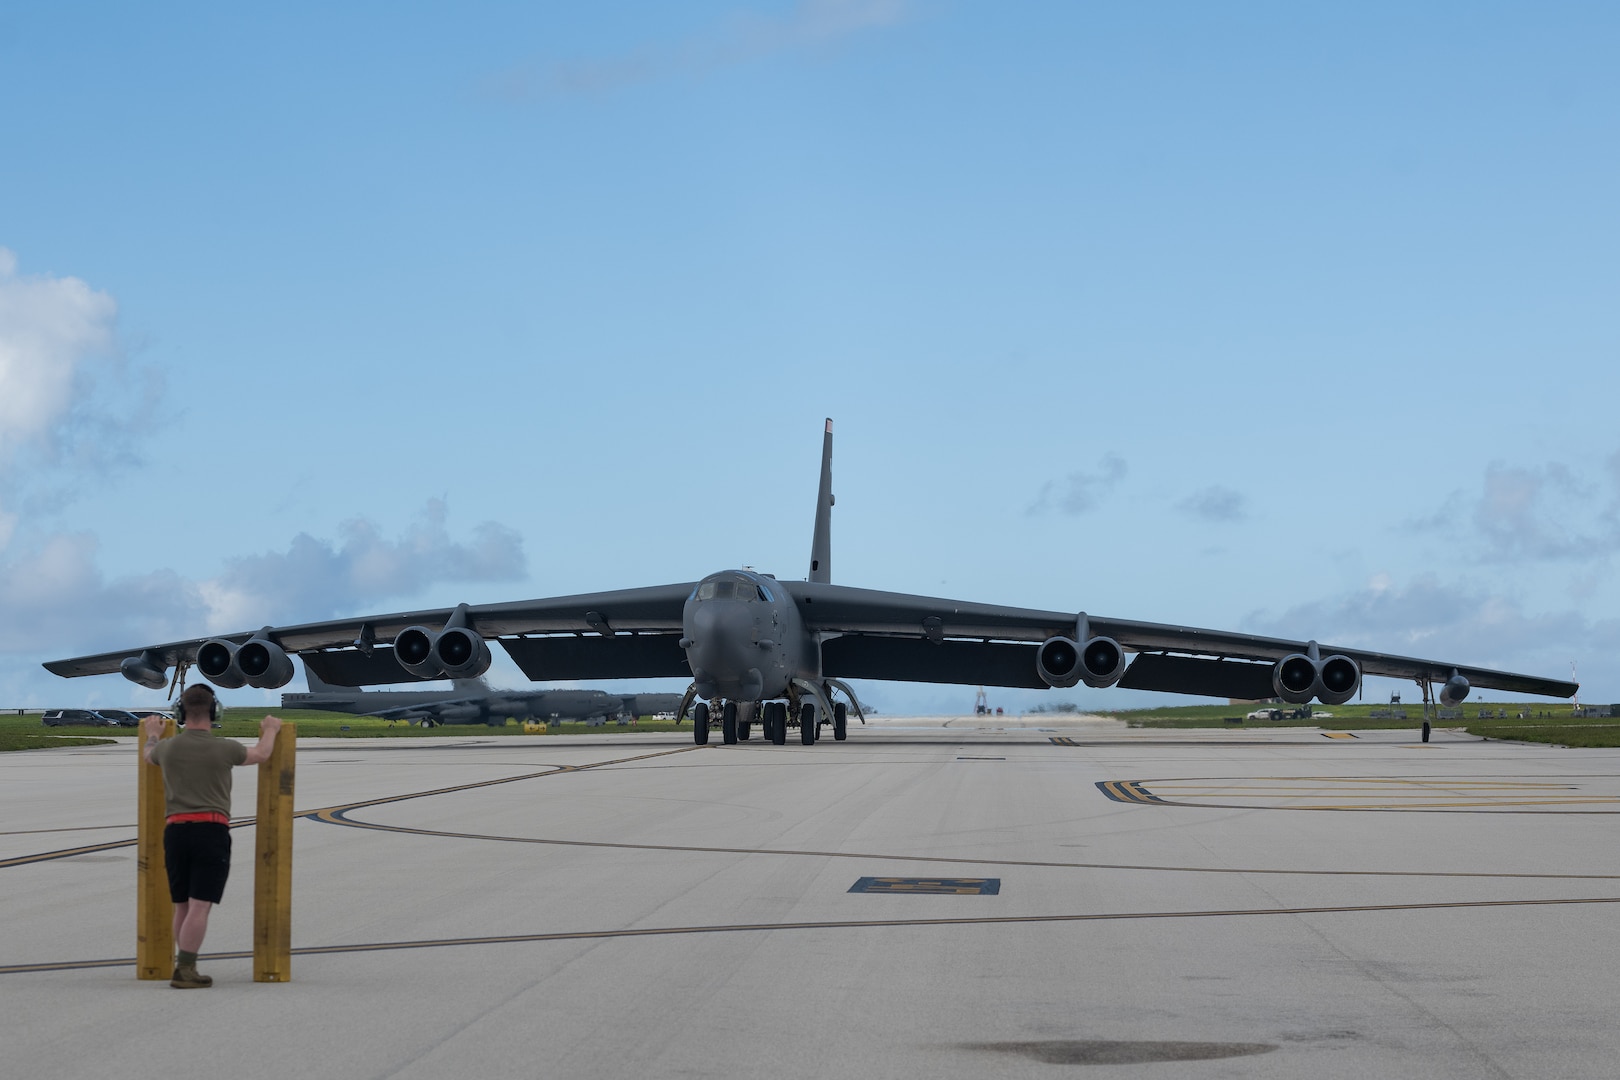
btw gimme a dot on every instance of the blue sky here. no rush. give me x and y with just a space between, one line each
1295 319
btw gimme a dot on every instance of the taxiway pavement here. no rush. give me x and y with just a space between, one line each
1254 902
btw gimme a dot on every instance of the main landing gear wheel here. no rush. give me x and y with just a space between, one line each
700 723
807 724
778 723
840 721
728 722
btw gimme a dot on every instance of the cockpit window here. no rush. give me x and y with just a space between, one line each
732 589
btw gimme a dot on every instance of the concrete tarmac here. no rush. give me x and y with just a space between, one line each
1254 902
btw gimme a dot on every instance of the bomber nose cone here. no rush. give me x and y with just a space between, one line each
715 637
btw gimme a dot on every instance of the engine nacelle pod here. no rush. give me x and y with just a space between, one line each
264 664
1294 678
216 662
1103 661
1337 679
1058 662
460 653
1452 694
413 648
147 669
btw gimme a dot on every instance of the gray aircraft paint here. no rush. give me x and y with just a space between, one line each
473 701
748 637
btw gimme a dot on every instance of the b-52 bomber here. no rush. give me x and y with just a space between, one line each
783 650
474 701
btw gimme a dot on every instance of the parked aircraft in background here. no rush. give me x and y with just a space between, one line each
746 639
472 701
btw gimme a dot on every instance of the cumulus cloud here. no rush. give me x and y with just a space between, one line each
57 600
315 579
1549 512
742 38
1080 492
1461 622
1215 504
49 328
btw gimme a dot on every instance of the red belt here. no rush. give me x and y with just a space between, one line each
211 816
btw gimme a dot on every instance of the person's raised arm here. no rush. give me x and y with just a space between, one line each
260 751
153 726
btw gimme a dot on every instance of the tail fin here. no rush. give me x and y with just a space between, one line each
821 540
317 684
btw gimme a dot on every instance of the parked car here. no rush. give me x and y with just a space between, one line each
121 717
75 718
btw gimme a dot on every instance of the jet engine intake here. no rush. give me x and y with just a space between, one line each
413 648
1058 662
461 653
1337 679
1453 692
264 664
1333 680
216 662
148 669
1104 662
1294 678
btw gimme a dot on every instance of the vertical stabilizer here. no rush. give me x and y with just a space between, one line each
317 684
821 541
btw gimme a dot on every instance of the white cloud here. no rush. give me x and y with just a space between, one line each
1462 623
315 579
50 329
742 38
57 601
1545 513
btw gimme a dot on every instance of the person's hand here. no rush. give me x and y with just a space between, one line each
153 726
269 723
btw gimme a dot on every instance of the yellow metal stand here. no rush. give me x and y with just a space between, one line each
272 878
154 911
532 727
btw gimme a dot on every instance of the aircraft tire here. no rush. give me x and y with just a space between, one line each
779 723
728 723
744 731
700 723
840 722
807 724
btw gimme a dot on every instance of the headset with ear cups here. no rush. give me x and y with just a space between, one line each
214 708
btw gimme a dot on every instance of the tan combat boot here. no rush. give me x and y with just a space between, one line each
186 977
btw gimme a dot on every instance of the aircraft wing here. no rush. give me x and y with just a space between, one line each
627 633
882 635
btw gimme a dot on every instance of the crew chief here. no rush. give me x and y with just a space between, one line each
197 801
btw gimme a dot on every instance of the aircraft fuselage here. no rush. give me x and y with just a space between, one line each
745 639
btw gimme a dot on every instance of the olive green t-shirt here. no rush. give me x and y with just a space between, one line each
197 771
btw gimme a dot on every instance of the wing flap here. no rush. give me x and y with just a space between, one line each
977 663
1194 675
351 667
623 656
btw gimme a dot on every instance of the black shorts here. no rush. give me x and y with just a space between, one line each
198 856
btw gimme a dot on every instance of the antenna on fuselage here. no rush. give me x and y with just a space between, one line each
821 540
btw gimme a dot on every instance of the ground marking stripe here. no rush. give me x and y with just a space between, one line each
337 818
832 924
557 770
